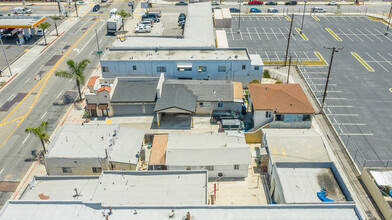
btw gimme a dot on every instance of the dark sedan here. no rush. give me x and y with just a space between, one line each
271 3
181 3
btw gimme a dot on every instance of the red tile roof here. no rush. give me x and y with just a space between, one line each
104 88
282 98
91 81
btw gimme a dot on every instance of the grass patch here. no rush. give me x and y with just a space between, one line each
266 74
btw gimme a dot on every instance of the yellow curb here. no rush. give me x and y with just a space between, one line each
46 7
379 19
302 35
109 121
288 18
27 50
315 18
5 8
333 34
367 66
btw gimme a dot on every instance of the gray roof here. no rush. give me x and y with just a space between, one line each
75 210
206 149
208 90
135 91
20 21
177 96
295 145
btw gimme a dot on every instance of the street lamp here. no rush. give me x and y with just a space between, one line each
5 54
303 17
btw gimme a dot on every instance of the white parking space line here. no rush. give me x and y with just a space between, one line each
265 33
241 35
44 115
257 34
351 18
389 54
1 171
277 55
360 18
282 34
343 18
374 35
295 53
382 34
24 141
355 34
250 18
306 55
326 18
258 18
232 35
267 55
375 61
384 58
342 32
357 134
332 98
274 33
279 19
339 106
332 91
351 115
335 18
320 84
348 124
364 35
250 36
292 34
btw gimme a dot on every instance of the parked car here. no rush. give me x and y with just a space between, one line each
142 29
231 124
181 3
318 10
272 10
291 3
255 10
40 32
255 2
21 10
181 23
219 115
234 10
181 17
146 22
271 3
156 13
151 16
130 3
333 3
96 7
215 3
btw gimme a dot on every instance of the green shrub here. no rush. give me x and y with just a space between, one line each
266 74
255 81
278 82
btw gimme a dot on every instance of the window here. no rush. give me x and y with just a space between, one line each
105 69
67 169
306 118
182 69
268 114
97 169
161 69
220 104
279 117
243 67
257 67
188 168
236 166
221 68
205 104
210 168
134 67
202 68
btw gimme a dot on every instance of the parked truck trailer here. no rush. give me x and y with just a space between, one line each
114 24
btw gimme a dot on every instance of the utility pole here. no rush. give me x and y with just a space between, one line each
239 20
303 18
334 49
389 21
5 55
288 40
76 9
58 4
96 36
288 73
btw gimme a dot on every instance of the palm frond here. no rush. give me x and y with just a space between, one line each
64 74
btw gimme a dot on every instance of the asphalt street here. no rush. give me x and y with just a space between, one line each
358 98
16 146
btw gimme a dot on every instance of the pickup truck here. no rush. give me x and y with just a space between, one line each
255 3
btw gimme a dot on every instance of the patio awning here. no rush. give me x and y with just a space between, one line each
91 106
102 106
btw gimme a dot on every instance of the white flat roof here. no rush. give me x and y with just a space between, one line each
206 149
151 188
198 32
39 210
295 145
255 60
91 141
180 54
61 188
19 21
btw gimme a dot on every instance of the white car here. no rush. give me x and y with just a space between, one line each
40 32
333 3
215 3
143 29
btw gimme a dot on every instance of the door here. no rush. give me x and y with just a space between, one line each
104 112
93 112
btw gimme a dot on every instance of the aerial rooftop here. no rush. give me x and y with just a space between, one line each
20 21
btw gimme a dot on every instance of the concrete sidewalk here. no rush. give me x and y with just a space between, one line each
34 53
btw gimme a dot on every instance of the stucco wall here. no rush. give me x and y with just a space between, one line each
227 171
80 166
260 119
227 106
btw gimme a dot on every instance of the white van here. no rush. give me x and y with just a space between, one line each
113 11
21 10
318 10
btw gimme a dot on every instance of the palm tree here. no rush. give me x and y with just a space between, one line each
123 14
76 72
55 18
44 26
40 132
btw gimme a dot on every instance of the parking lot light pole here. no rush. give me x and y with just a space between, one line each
303 18
5 55
334 49
288 40
76 9
239 15
389 21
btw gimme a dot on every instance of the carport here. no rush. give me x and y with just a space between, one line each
175 100
22 22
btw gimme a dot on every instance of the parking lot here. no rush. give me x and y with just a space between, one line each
358 100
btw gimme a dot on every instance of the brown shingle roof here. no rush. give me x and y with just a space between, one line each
158 150
282 98
106 88
91 81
